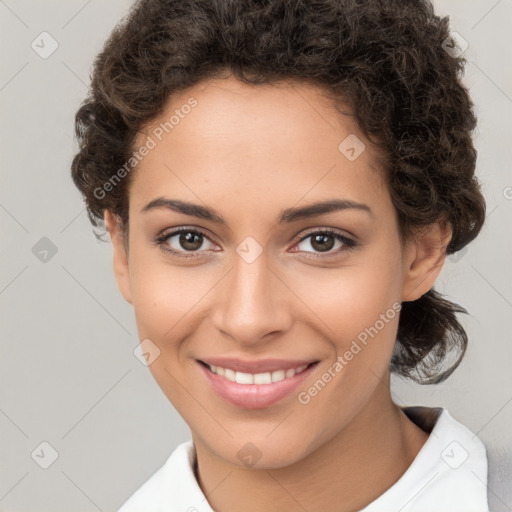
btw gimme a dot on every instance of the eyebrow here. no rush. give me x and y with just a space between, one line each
287 216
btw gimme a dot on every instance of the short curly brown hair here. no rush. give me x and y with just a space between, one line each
383 60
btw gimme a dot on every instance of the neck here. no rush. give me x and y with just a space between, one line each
367 457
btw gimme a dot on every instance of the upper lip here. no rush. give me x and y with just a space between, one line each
257 366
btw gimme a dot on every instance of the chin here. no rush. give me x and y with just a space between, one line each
261 453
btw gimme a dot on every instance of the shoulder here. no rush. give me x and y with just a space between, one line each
173 481
449 474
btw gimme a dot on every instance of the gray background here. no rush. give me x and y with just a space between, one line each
68 373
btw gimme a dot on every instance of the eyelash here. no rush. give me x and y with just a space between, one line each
349 244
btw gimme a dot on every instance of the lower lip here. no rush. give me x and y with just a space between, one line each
255 396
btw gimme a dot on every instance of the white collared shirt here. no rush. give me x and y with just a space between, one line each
449 474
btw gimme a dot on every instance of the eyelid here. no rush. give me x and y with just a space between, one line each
331 231
176 230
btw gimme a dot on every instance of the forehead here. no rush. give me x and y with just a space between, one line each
254 145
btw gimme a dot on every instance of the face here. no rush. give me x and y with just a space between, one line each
251 280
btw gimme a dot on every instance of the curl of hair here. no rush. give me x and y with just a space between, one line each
383 61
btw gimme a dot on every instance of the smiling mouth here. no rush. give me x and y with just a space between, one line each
269 383
256 378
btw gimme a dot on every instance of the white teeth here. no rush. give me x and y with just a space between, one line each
278 375
263 378
229 374
256 378
244 378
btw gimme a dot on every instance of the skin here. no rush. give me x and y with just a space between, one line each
250 152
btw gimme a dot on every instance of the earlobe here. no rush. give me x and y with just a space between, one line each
424 260
120 257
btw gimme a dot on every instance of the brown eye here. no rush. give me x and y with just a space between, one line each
324 241
183 241
190 241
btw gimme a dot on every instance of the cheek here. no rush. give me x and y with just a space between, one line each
164 295
349 299
356 308
360 321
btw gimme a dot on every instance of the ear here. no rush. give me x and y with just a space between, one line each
424 259
121 269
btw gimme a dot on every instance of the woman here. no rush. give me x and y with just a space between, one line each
281 182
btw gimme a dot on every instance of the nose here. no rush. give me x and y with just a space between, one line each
253 304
